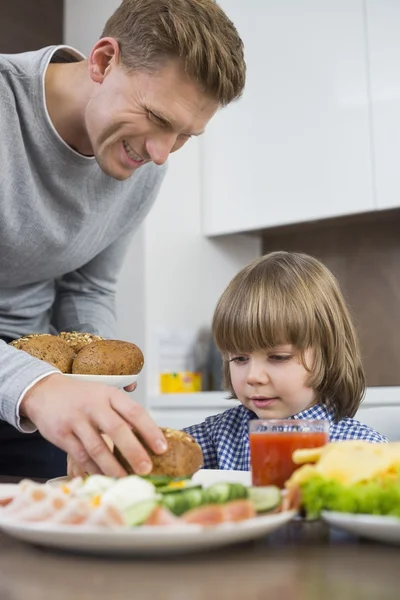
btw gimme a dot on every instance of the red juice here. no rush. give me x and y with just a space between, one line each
271 454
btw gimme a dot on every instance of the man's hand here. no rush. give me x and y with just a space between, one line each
73 415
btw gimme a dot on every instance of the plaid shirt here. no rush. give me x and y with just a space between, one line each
224 438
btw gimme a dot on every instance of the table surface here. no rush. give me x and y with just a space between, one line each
302 561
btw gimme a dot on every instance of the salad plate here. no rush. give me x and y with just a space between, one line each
141 540
374 527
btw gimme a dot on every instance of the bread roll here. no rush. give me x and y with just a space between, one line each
16 343
108 357
182 458
49 348
77 340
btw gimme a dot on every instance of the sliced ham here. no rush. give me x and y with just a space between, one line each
212 514
162 516
238 510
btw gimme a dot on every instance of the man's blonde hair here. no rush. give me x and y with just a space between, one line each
198 32
292 298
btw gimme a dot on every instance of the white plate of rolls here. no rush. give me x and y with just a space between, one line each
118 381
86 357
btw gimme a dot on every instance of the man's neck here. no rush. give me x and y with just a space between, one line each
66 95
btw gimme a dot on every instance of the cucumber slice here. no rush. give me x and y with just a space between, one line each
162 480
220 493
184 501
238 491
138 513
157 480
265 498
178 486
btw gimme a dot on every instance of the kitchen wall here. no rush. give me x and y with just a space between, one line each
27 25
364 254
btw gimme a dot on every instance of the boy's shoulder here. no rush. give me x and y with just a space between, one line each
351 429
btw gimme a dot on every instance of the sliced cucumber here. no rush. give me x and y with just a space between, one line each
157 480
184 501
163 480
265 498
220 493
138 513
178 486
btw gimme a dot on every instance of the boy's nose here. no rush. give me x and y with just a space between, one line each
257 374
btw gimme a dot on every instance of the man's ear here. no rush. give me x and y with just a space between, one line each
103 55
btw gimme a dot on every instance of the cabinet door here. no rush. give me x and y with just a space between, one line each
383 26
296 147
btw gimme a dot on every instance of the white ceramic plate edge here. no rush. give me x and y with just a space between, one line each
118 381
144 540
374 527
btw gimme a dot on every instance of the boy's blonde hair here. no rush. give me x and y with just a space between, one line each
198 32
292 298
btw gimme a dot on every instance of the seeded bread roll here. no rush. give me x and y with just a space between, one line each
49 348
77 340
108 357
182 459
16 343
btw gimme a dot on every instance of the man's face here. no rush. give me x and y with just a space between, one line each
138 117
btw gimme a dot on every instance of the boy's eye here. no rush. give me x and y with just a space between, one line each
280 357
238 359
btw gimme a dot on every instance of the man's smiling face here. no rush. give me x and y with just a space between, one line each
136 117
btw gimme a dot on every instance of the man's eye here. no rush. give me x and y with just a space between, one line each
157 119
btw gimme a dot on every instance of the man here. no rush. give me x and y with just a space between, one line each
83 144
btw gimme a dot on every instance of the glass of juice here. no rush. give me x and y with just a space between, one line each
273 441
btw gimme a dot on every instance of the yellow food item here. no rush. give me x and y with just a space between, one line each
348 462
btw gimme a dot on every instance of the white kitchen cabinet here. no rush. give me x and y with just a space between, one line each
383 26
297 146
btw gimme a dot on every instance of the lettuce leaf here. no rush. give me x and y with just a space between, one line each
376 497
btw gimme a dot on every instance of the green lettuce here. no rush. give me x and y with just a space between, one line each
376 497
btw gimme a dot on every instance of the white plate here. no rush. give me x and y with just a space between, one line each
143 541
374 527
118 381
8 490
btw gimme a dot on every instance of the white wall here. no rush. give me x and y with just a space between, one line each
172 275
185 272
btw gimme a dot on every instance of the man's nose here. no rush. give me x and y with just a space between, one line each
160 147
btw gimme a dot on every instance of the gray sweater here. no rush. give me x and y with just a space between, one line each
64 225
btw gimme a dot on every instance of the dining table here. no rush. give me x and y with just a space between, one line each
304 560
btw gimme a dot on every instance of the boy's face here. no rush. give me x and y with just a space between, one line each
272 383
133 118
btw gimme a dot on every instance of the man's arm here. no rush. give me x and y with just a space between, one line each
18 373
73 415
85 299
